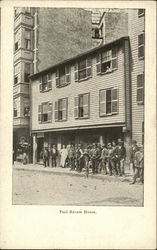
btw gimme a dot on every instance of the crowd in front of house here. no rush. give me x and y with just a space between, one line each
108 159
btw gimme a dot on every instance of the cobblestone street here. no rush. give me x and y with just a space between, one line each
36 187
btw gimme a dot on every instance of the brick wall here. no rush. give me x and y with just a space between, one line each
62 33
92 86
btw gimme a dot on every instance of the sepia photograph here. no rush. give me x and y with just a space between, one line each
78 106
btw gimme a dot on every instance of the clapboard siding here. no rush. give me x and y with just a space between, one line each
136 27
92 86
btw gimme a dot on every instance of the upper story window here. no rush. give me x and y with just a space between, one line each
15 108
141 12
16 79
108 101
45 112
27 39
61 109
17 41
26 72
106 61
16 46
81 106
45 82
27 111
83 69
140 89
27 10
141 46
63 76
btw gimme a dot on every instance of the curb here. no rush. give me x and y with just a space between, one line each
50 171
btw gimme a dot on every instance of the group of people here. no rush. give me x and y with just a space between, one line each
107 158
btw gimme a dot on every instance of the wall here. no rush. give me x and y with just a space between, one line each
135 27
92 85
62 33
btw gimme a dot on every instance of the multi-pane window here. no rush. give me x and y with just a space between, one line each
141 12
27 10
106 61
17 40
140 88
16 46
15 79
26 72
108 101
61 109
27 39
45 112
45 82
83 69
141 45
81 106
63 76
15 108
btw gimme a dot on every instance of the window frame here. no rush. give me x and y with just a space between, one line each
61 100
77 106
49 112
141 45
16 46
141 102
48 83
105 114
141 14
67 73
87 69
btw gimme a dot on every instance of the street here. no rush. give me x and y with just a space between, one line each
45 188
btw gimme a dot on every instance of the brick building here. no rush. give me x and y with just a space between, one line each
83 99
43 36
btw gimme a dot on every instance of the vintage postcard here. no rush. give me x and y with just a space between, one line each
78 124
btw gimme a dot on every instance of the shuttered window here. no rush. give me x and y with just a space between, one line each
140 89
26 72
141 45
61 109
106 61
108 102
83 69
63 76
45 82
81 106
45 112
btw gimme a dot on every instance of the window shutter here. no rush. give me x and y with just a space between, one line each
76 72
76 108
88 67
114 58
49 81
56 111
114 99
98 64
57 78
40 85
50 112
102 102
64 109
67 74
40 113
86 105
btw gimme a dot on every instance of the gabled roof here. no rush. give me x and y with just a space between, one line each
81 55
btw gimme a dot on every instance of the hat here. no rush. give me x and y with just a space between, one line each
120 140
134 141
109 144
103 145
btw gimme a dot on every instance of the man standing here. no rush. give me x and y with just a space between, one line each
95 156
139 166
120 154
104 158
54 156
71 156
45 155
132 154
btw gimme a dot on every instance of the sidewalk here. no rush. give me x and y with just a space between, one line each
66 171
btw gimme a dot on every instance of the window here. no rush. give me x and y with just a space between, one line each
106 61
45 112
141 12
45 83
81 106
27 39
83 69
141 45
15 79
140 89
27 111
28 10
15 108
108 102
26 72
61 107
16 46
63 76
